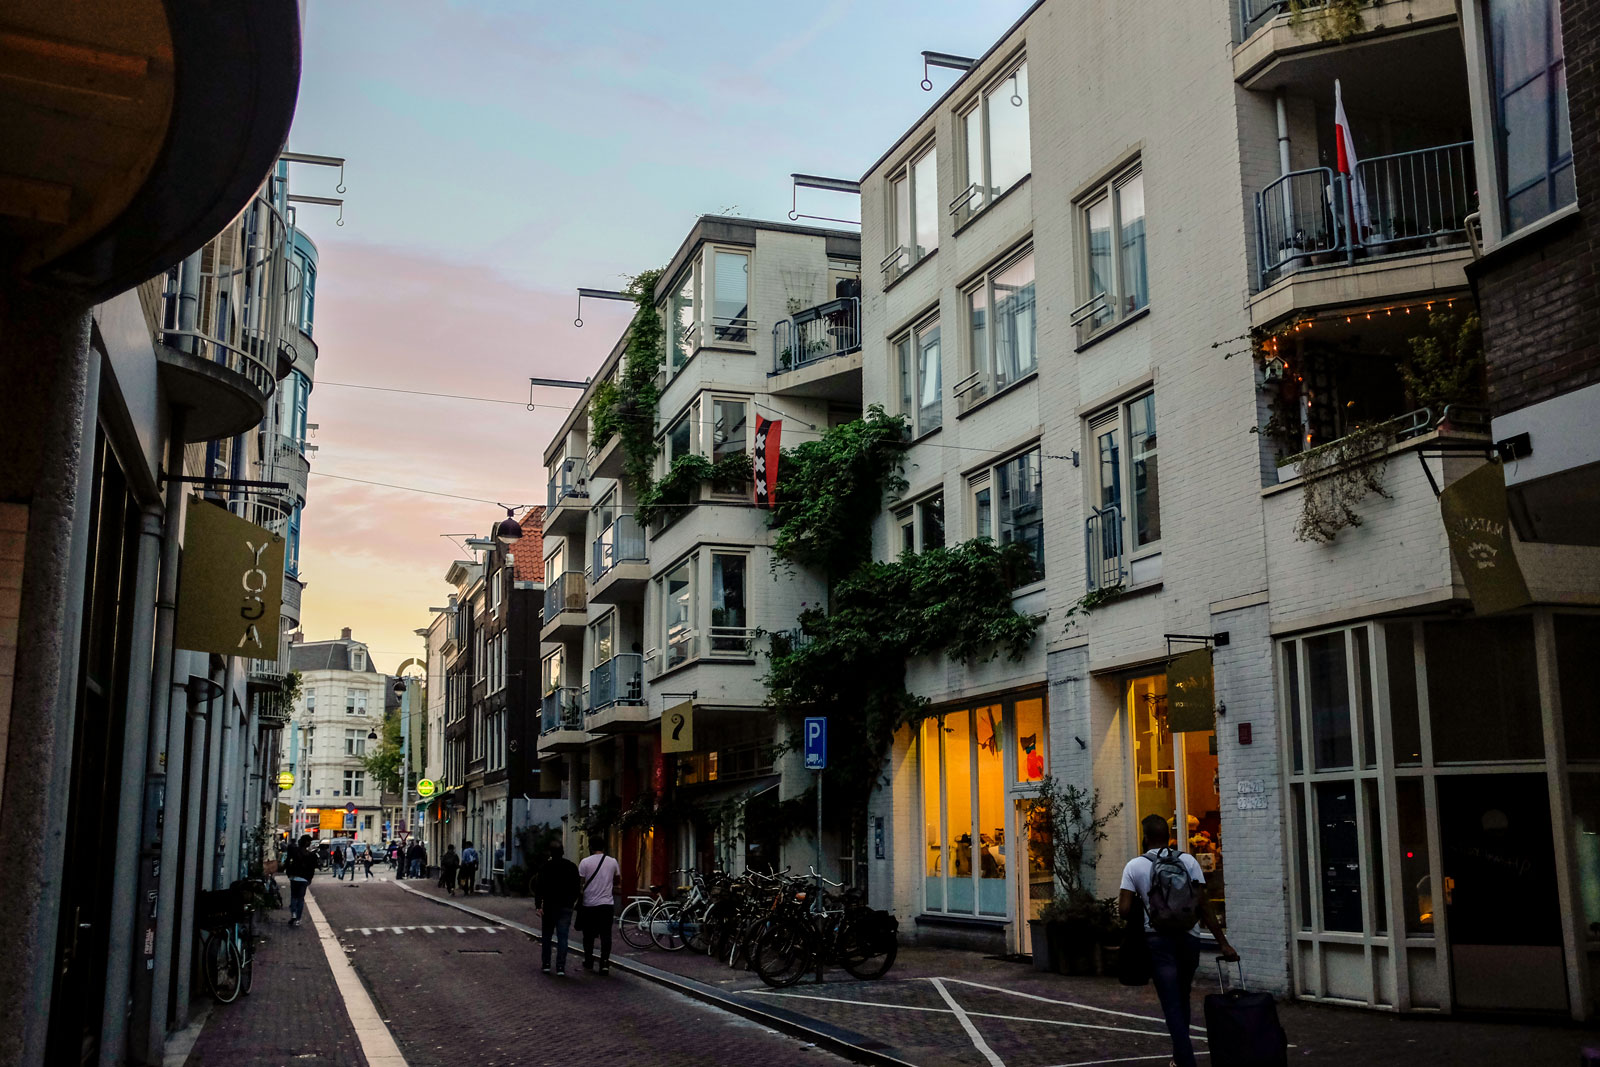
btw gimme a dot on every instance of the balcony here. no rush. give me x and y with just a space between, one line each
568 507
565 607
1103 549
605 458
817 352
292 466
616 696
1274 48
291 602
561 727
1398 230
730 643
621 565
265 673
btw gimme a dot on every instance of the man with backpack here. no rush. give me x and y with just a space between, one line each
1168 889
468 877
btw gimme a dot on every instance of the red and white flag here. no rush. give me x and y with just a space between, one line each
1349 166
765 461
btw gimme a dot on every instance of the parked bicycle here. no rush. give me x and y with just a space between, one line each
810 931
227 940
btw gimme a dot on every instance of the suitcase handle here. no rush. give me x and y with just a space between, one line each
1222 974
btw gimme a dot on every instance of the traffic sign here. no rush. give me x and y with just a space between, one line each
285 780
816 743
350 808
425 788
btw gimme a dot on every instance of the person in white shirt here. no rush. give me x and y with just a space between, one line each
1174 956
601 880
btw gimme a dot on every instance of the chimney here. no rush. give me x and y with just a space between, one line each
296 637
344 634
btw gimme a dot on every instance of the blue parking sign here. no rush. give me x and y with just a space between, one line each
816 744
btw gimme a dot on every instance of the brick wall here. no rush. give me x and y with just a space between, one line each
1541 304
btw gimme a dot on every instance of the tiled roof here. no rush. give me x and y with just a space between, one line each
324 656
529 552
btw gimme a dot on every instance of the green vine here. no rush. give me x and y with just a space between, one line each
633 413
1446 363
604 419
1338 476
679 486
1332 20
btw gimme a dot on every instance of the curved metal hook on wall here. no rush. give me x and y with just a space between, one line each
597 294
942 59
1016 97
817 181
340 187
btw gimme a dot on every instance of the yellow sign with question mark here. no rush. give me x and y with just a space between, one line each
677 728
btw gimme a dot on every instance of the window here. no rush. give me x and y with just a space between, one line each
602 638
1000 331
921 525
728 611
311 702
553 671
914 213
982 506
1116 284
350 701
1020 488
479 657
727 429
358 659
995 131
682 330
730 297
1533 134
495 584
677 613
355 742
354 783
1126 494
918 357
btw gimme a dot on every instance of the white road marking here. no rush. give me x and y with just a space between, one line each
377 1044
840 1000
966 1024
1065 1003
973 1014
1120 1059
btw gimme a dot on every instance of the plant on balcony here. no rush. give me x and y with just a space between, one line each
1446 363
680 485
637 394
1331 20
1338 476
604 417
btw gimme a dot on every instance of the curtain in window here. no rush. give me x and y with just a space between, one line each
1099 223
930 412
925 185
1015 353
1135 289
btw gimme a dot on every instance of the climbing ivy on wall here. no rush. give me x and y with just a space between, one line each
632 413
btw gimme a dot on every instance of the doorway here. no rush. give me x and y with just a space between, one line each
1502 909
1036 882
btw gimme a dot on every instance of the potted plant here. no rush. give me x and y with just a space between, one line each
1075 923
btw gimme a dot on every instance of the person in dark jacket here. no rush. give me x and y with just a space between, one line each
555 892
416 857
301 868
449 867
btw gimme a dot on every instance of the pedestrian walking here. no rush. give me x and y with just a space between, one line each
498 872
394 856
448 868
602 880
337 855
468 878
555 892
301 866
417 857
350 860
1169 889
367 860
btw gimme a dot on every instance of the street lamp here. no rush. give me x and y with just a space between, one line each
509 531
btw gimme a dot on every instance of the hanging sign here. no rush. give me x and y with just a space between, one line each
1191 702
677 728
765 461
425 788
285 780
231 585
1479 528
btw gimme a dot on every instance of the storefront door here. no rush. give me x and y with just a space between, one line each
1501 906
1035 884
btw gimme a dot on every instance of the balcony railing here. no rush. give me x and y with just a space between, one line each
566 593
1253 14
787 642
1102 536
562 709
619 680
821 332
1406 202
620 542
571 479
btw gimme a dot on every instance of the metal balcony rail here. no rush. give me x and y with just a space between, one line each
571 479
817 333
619 680
268 511
784 642
730 640
1253 14
561 709
749 759
620 542
732 329
1102 536
1413 201
566 593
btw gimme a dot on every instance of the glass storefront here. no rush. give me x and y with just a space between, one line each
976 762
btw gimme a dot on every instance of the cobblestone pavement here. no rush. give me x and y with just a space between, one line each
457 989
293 1015
1030 1019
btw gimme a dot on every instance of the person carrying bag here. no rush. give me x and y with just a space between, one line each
597 903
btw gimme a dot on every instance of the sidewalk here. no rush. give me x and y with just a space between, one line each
937 1005
294 1013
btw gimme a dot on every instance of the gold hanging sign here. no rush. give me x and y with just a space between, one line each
1478 525
230 593
1191 697
677 728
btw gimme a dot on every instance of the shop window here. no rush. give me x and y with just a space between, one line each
1374 832
1328 687
1399 643
1577 641
1416 884
932 810
1032 742
1363 653
957 730
1297 796
1483 681
1338 856
1291 685
1175 777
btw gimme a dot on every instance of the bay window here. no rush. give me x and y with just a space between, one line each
729 618
914 214
677 613
682 329
996 141
730 297
727 428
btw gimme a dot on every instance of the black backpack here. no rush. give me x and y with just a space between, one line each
1174 896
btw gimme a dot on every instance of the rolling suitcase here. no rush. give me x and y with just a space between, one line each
1242 1028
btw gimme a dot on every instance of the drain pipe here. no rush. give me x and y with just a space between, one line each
127 869
1280 99
163 791
194 795
188 305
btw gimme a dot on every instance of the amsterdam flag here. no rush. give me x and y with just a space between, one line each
766 461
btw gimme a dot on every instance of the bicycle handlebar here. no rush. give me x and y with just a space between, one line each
825 880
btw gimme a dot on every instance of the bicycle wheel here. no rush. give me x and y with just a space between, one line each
634 922
222 968
247 957
666 926
865 954
711 934
694 926
783 955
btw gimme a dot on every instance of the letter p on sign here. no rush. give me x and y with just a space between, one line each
816 734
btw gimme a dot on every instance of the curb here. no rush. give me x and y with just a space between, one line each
847 1043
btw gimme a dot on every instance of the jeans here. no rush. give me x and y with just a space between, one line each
556 929
416 868
468 878
1173 961
597 922
338 871
297 897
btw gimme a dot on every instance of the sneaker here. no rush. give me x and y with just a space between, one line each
561 974
605 968
588 965
545 969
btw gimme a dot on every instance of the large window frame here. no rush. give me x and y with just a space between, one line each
1113 270
913 212
985 122
1002 329
1124 488
1004 502
695 316
919 525
919 368
1529 105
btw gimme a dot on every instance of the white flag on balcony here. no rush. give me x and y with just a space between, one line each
1350 167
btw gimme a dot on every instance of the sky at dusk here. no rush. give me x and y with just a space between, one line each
503 153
